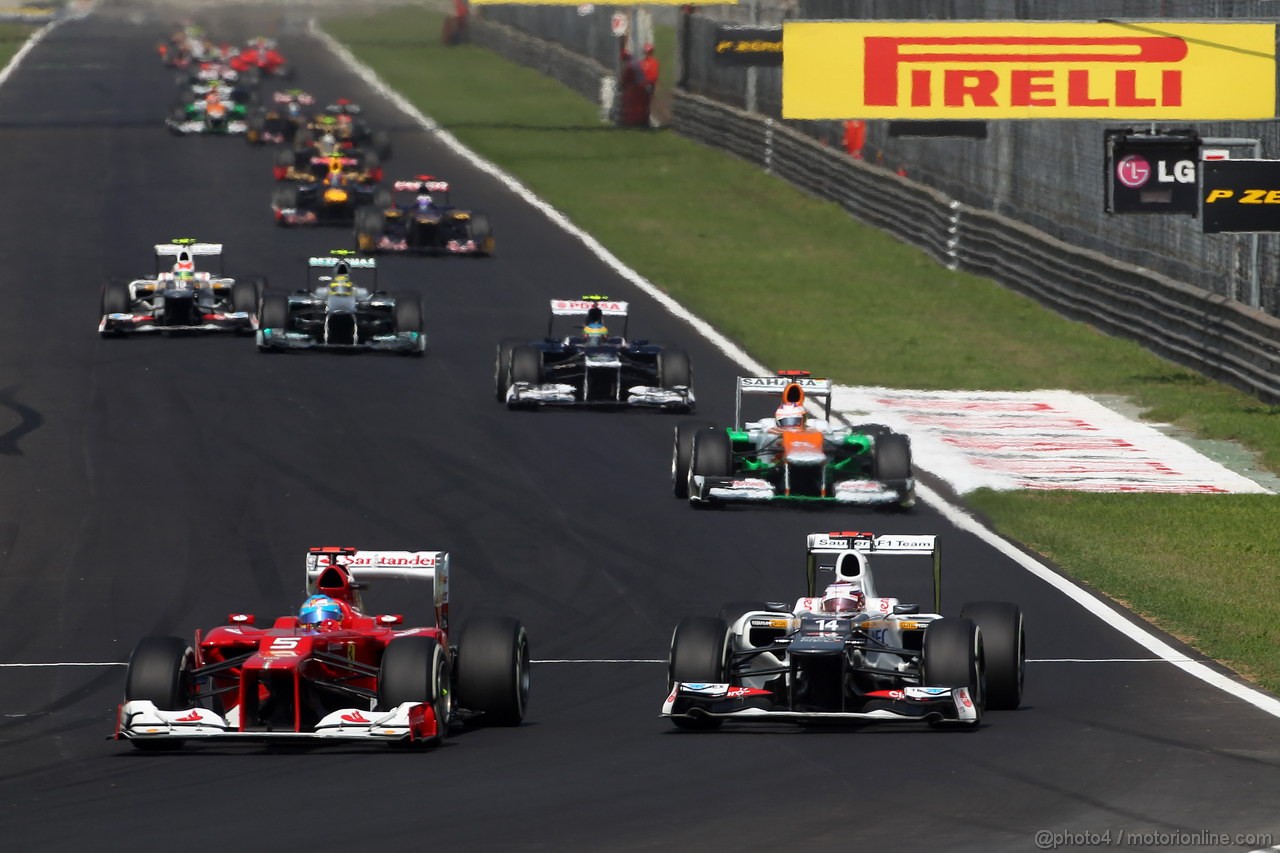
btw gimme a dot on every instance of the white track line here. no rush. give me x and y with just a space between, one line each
26 48
955 514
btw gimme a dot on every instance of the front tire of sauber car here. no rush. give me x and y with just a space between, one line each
700 654
682 455
416 669
1004 646
493 669
711 456
115 300
952 656
160 672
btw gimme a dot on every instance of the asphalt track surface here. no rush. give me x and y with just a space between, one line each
152 485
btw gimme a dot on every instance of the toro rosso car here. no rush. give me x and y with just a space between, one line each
335 311
791 456
182 298
845 653
335 672
421 219
591 365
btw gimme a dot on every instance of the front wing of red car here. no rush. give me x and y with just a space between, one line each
141 720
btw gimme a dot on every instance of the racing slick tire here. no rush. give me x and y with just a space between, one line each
273 313
952 656
407 315
711 456
502 367
369 224
255 127
892 458
700 651
526 365
285 159
380 142
481 233
493 669
115 297
160 672
284 197
416 669
245 296
682 454
1004 646
674 369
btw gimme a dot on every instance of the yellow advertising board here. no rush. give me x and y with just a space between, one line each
1136 71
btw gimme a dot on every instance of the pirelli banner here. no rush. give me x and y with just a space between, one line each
1241 196
1160 70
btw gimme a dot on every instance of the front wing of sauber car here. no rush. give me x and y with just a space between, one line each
142 721
753 704
610 367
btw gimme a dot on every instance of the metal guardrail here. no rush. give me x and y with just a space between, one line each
1188 325
1207 332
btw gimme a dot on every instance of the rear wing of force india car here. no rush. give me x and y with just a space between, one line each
828 561
819 389
363 566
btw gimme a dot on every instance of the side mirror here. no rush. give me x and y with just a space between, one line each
388 619
240 618
906 609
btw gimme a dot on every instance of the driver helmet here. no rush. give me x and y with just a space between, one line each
320 613
341 285
594 330
789 416
843 599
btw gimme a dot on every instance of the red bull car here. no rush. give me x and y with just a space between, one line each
336 672
791 456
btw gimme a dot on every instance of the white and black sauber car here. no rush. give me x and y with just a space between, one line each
845 653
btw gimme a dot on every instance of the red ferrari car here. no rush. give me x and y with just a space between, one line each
332 673
261 53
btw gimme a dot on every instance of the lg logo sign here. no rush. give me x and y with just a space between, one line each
1135 171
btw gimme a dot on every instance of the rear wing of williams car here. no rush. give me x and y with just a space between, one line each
580 308
775 385
826 550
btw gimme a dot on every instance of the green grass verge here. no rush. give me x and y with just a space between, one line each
800 284
12 37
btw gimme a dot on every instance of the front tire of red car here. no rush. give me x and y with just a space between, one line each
160 672
493 669
416 669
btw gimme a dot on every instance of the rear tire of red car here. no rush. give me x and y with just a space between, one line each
700 653
416 669
160 672
493 669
